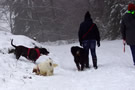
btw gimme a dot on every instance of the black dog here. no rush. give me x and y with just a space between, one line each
29 53
80 57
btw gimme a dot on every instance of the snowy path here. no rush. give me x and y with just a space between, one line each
115 72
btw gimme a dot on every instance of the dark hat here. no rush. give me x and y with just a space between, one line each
131 7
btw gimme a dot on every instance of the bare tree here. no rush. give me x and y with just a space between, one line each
6 12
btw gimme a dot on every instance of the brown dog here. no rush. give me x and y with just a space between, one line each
80 57
29 53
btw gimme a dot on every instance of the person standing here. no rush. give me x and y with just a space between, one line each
128 29
88 36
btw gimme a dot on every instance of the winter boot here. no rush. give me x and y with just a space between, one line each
95 63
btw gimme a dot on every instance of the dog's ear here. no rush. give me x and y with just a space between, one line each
78 53
50 64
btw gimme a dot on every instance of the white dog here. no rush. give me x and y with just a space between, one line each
45 68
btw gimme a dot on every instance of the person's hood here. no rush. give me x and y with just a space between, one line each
87 16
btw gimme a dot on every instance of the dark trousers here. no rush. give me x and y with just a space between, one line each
132 47
90 45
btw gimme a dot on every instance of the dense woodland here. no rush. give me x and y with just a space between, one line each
51 20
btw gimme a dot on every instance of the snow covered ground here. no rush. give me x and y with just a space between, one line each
115 72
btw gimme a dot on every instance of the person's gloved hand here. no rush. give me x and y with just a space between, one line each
98 43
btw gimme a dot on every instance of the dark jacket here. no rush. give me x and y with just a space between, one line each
84 28
128 28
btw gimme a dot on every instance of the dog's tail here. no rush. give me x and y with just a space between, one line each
55 65
12 43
